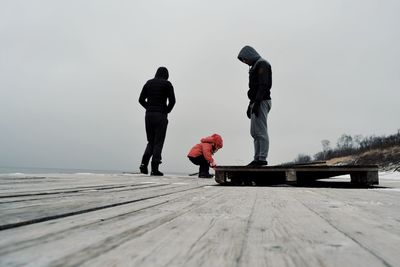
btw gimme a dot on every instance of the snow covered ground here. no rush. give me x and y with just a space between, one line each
389 175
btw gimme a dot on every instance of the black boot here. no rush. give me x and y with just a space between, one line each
143 169
154 169
143 166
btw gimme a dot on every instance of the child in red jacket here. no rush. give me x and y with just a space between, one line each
201 154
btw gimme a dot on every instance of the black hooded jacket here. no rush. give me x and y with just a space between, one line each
156 92
260 75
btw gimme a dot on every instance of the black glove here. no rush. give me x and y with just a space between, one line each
256 107
248 112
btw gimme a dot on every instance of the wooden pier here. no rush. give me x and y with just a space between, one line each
138 220
365 175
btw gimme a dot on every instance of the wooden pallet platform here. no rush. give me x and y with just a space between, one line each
260 175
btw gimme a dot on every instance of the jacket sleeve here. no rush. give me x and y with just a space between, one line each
207 151
171 98
264 80
143 97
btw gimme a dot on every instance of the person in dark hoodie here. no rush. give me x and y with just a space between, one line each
158 98
259 94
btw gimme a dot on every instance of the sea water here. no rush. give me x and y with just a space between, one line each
20 171
34 170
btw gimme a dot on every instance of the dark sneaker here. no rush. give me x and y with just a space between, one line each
262 162
143 169
206 175
157 173
256 163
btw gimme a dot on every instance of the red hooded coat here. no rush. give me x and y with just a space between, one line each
207 147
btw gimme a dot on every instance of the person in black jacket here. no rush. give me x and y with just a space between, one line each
153 98
259 94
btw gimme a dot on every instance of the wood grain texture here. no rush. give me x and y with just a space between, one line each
134 220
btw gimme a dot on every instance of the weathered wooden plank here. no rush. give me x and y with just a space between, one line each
286 233
87 237
243 227
17 235
376 234
205 225
63 182
35 210
380 206
291 176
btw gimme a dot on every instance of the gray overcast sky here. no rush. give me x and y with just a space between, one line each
71 73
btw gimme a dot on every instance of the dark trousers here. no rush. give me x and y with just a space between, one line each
204 165
156 129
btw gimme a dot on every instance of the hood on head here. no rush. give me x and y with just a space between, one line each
215 139
162 73
249 54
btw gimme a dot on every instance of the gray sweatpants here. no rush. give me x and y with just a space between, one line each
259 131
